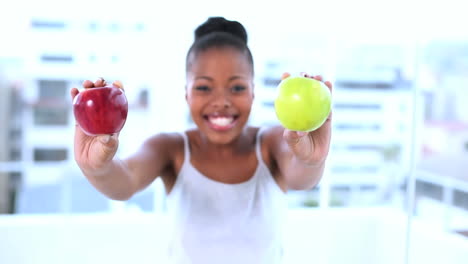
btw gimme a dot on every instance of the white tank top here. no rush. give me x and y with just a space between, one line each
215 222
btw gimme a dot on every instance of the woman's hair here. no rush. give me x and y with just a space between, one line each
218 32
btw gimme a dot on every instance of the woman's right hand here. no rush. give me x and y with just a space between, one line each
93 153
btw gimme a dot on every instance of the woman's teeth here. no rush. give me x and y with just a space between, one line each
221 121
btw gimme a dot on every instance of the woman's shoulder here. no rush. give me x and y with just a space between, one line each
271 141
270 138
264 129
165 141
166 137
271 132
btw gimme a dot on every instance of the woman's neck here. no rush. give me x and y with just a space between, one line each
238 145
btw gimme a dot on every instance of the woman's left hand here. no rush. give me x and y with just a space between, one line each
310 147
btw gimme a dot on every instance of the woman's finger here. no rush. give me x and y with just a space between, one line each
329 85
74 92
303 74
293 137
285 75
318 77
88 84
118 84
100 82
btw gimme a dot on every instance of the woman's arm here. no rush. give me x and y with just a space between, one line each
115 178
120 179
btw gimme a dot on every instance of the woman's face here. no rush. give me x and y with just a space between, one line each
219 93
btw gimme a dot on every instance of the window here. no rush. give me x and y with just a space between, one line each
140 27
56 58
93 26
52 108
43 154
114 27
51 115
47 24
52 89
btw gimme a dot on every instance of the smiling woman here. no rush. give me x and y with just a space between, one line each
225 180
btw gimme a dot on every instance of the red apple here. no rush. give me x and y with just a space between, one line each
101 110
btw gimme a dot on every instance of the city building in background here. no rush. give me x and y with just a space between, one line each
441 178
11 133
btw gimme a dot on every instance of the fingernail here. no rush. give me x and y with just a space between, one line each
104 139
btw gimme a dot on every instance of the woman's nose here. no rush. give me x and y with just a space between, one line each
222 100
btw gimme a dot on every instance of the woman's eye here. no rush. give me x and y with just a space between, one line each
238 88
202 88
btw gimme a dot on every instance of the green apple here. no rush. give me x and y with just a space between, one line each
302 104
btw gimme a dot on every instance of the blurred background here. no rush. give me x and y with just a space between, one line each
395 188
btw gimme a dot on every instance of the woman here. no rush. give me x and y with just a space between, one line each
226 181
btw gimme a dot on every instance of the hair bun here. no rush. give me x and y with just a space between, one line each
220 24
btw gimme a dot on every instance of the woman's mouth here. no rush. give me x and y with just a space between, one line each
221 122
